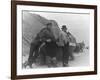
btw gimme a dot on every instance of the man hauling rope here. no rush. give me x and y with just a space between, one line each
44 35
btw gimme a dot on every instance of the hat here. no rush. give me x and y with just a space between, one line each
49 23
64 27
52 22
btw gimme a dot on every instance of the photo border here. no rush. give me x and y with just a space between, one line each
14 39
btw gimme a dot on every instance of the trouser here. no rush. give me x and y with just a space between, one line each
34 47
42 53
70 51
51 61
65 55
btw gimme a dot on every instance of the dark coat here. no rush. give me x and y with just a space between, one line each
41 37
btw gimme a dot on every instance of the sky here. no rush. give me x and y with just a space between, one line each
77 23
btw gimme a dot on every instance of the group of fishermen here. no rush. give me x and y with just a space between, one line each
49 35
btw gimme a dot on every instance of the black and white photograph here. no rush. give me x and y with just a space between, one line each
54 40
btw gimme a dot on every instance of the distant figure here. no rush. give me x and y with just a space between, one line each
79 47
82 46
87 47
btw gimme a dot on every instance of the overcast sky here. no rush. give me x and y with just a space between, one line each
78 24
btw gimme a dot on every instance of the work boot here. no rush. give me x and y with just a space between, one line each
54 61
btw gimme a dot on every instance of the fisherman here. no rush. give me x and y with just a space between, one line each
44 35
65 45
71 44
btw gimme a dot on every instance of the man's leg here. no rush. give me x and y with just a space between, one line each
71 50
48 61
65 56
54 62
43 55
33 48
